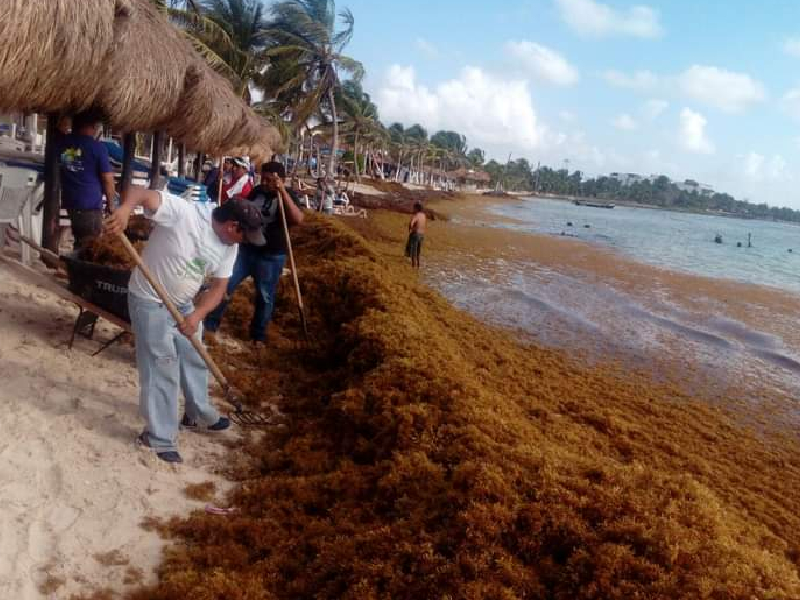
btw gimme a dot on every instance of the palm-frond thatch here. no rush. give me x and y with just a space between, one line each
126 58
148 67
208 110
52 52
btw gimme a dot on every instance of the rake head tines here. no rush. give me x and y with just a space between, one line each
247 418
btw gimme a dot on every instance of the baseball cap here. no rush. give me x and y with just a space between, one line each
241 161
246 215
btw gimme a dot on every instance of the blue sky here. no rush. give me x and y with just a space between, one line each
703 90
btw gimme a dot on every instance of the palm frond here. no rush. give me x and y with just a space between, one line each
214 60
351 66
196 23
341 39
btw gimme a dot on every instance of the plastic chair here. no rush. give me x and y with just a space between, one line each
18 193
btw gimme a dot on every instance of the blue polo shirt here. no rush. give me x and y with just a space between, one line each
82 160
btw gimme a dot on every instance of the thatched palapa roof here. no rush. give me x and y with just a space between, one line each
126 58
51 50
208 110
147 69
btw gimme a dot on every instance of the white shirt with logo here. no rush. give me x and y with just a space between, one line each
182 251
238 186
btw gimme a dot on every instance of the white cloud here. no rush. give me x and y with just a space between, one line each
487 109
757 168
588 17
726 90
640 81
753 164
624 122
427 48
791 46
542 62
777 167
566 116
791 103
653 109
692 133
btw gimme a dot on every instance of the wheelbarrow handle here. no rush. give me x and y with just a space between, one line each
176 314
43 251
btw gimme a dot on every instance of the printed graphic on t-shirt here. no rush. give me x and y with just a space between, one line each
195 268
72 160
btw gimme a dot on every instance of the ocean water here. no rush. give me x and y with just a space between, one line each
678 241
601 320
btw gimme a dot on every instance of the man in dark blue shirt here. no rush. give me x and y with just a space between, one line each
86 175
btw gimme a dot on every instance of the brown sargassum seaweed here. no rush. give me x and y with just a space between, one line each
108 250
426 455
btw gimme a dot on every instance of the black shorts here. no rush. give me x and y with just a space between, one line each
414 245
86 224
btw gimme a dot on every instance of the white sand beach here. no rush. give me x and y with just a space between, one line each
75 486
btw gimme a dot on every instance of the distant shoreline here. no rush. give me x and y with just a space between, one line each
628 204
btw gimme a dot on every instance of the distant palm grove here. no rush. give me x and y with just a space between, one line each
659 191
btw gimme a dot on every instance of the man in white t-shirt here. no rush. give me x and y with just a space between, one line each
188 244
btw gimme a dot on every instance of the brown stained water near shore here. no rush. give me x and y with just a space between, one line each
719 334
425 454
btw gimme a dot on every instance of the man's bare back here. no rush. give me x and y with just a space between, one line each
418 223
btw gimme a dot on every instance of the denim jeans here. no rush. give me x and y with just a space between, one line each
265 269
167 364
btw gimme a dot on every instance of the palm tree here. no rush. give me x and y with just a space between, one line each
305 31
476 158
377 139
361 114
401 142
418 137
211 40
243 22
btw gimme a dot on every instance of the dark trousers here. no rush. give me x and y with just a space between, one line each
85 224
265 269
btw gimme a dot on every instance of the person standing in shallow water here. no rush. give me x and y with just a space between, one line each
416 234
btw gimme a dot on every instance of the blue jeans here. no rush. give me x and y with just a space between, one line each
167 364
265 269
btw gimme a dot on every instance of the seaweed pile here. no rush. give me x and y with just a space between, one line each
108 250
426 455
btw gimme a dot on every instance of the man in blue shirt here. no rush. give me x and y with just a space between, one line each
86 175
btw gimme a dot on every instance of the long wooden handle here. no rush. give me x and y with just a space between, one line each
173 310
43 251
291 258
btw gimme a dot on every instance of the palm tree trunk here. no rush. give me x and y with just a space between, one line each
355 157
335 144
300 143
397 166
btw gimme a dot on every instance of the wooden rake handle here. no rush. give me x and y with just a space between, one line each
173 310
293 266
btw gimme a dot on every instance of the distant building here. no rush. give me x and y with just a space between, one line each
469 180
690 185
626 178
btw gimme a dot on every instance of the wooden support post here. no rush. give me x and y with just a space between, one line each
169 158
198 167
182 160
51 202
155 161
128 150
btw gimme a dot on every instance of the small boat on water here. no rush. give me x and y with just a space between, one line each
595 204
